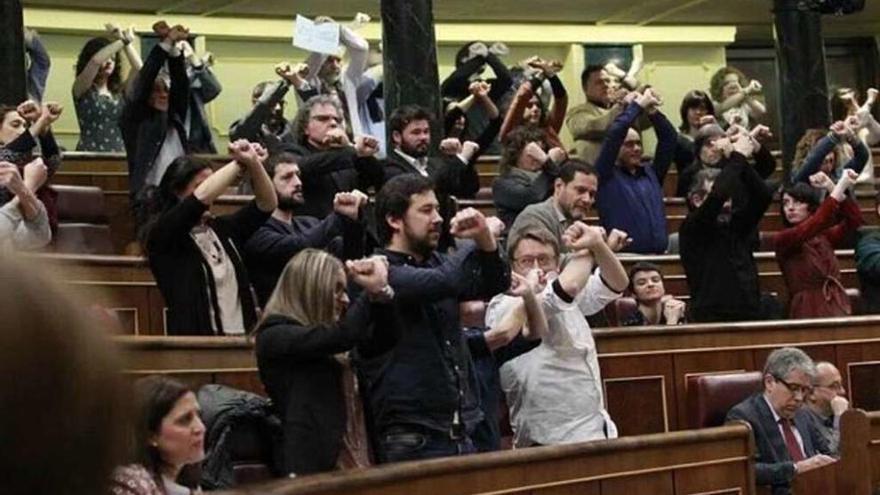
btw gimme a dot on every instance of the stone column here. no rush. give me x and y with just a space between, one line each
410 59
800 59
12 76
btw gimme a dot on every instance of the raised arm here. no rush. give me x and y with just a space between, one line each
560 103
580 237
614 138
86 78
667 139
250 127
516 196
38 73
514 115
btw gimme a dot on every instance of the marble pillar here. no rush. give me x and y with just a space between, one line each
800 67
12 72
410 59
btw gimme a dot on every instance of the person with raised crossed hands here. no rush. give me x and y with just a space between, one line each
719 235
826 155
330 162
21 130
630 194
737 100
805 248
287 233
455 120
307 324
196 257
563 370
527 108
98 88
453 171
24 223
416 375
265 121
154 113
204 87
528 172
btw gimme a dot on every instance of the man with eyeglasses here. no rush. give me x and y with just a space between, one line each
827 403
330 162
554 391
787 440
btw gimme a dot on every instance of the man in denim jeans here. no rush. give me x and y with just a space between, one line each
414 371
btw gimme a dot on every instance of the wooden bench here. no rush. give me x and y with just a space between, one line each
710 461
645 370
125 284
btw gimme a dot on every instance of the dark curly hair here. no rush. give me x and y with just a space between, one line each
93 46
716 86
514 143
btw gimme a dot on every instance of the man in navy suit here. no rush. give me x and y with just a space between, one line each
787 441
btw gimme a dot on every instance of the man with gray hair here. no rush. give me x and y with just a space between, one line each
827 403
330 162
787 441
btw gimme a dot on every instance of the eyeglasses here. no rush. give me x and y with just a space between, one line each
833 386
795 388
529 261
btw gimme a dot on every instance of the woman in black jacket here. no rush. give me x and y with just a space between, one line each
302 331
196 257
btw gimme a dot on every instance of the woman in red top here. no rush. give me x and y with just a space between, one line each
528 109
805 249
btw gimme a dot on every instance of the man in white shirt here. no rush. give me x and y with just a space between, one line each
555 390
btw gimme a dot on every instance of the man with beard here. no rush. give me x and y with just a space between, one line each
574 192
330 162
284 234
453 174
630 195
415 372
718 236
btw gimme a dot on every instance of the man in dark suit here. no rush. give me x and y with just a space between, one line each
452 173
787 441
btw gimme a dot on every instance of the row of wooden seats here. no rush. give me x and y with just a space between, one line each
710 461
110 170
125 285
645 370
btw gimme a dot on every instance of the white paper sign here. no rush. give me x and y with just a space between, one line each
321 38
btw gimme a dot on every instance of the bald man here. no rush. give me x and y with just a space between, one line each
827 403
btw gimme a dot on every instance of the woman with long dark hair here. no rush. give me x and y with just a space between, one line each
196 257
527 108
695 107
97 89
168 441
805 248
307 324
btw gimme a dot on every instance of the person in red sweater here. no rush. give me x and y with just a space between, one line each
805 249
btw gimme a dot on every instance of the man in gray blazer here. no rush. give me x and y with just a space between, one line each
785 436
574 192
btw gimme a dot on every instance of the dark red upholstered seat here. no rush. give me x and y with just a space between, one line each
710 397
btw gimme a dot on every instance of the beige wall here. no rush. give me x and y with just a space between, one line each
677 58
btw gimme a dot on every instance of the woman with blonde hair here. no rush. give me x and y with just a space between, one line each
307 322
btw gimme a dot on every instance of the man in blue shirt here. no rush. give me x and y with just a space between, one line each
414 371
630 195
